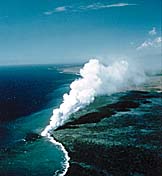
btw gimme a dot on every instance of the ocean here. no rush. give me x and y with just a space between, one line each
28 95
32 95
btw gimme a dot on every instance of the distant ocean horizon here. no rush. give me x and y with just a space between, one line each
28 96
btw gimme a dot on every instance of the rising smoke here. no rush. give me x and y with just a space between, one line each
96 79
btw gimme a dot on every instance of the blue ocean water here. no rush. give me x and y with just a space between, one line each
28 95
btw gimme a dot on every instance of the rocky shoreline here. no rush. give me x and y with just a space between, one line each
119 139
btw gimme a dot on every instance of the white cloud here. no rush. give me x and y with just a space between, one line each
95 6
98 6
48 13
60 9
158 40
117 5
153 31
57 9
155 43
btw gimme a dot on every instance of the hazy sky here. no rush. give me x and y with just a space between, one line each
66 31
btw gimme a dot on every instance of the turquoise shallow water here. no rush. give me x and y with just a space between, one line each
27 98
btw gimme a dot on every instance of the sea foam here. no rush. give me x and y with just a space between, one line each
96 79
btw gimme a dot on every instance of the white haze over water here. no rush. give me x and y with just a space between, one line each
96 79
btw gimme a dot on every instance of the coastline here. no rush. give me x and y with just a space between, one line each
109 141
70 70
67 158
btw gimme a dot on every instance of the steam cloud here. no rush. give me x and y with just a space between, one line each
96 79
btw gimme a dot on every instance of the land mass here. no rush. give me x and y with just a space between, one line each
118 139
70 70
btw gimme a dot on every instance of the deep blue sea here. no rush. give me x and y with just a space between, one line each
28 95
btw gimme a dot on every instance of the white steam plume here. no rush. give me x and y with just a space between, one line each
96 79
